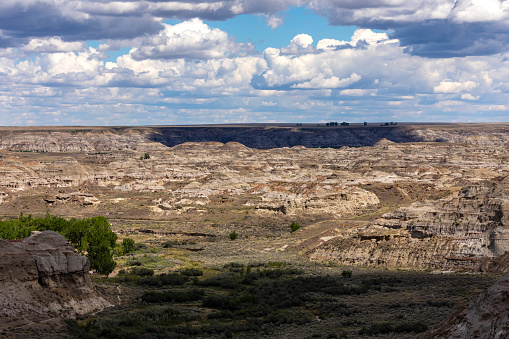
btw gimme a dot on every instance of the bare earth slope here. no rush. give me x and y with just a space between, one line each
43 277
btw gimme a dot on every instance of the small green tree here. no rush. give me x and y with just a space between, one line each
101 258
233 235
128 245
294 227
146 156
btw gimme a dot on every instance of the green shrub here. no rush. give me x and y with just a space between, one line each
191 272
169 243
294 227
164 279
141 260
128 245
141 271
346 273
226 280
173 296
233 235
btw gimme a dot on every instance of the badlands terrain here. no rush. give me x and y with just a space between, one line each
406 204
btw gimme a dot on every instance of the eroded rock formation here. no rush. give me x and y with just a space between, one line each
104 139
43 276
459 232
440 205
485 318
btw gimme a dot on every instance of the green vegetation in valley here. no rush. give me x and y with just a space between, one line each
238 301
277 298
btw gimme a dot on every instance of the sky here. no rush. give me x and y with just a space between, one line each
158 62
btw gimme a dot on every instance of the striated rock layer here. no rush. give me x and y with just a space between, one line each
459 232
43 275
105 139
439 205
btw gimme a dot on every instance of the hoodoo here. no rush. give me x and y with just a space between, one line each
43 276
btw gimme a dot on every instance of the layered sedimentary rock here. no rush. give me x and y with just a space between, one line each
43 275
104 139
316 199
458 232
423 204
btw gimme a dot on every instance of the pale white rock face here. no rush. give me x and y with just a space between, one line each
44 275
336 201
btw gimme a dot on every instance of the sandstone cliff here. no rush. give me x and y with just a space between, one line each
43 276
456 233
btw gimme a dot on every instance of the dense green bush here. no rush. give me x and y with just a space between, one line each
128 245
191 272
173 279
346 273
226 280
294 227
233 235
141 271
173 296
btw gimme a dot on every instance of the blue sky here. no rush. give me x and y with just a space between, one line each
142 62
296 20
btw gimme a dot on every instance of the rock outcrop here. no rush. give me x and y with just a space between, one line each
43 276
485 318
456 233
316 199
105 139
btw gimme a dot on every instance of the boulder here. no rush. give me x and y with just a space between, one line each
43 275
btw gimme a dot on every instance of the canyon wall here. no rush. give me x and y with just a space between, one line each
459 232
104 139
485 318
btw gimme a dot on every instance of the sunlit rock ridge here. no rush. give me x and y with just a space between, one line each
421 196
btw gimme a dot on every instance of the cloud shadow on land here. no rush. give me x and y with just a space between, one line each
270 136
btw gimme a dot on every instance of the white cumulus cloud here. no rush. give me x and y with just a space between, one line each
332 82
52 45
454 87
191 39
